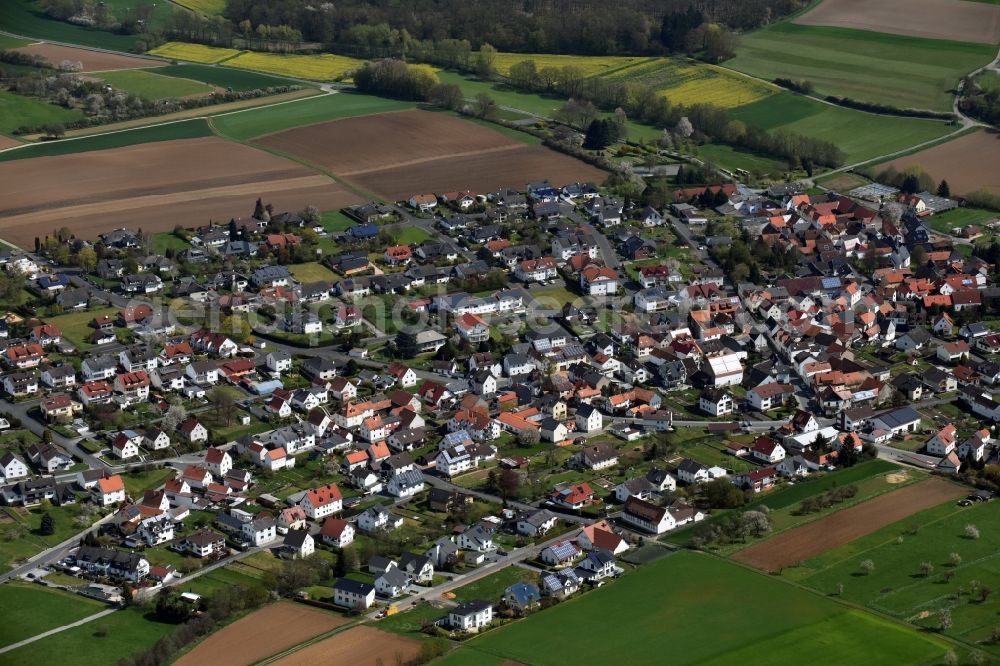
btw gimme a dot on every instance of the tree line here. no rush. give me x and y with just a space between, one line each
381 28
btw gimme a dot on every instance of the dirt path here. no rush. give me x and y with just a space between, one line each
46 634
801 543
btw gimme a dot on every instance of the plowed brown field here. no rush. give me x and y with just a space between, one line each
801 543
360 645
959 20
261 634
968 163
400 154
93 61
154 187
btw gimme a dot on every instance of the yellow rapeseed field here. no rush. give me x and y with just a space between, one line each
193 52
689 82
589 65
319 67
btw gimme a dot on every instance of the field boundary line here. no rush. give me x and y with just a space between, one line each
312 641
840 507
348 185
164 123
331 120
425 160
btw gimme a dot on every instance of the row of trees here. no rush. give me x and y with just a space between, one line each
827 499
379 28
102 104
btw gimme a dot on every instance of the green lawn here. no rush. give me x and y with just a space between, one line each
491 587
136 483
311 272
410 622
185 129
959 217
25 17
905 72
224 77
860 135
410 235
17 111
251 123
124 633
75 325
897 587
167 240
154 86
334 220
39 609
557 294
698 609
20 537
216 580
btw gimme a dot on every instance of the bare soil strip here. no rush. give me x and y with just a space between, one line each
960 20
93 61
795 545
359 645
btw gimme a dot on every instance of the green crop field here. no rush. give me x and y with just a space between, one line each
185 129
159 12
690 608
98 643
252 123
860 135
237 79
896 586
25 17
906 72
731 158
39 610
18 110
154 86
